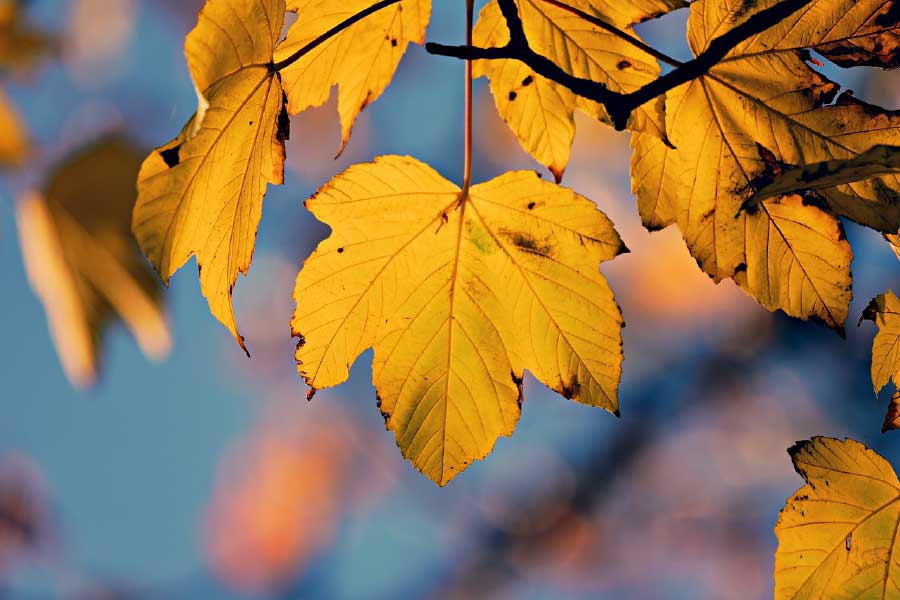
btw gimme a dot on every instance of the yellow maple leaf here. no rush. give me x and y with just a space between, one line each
201 194
884 311
541 112
13 139
458 295
83 262
736 128
837 535
360 60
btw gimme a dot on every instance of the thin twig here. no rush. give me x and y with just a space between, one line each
467 169
300 53
619 106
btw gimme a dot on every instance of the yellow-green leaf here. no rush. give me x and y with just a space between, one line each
737 128
201 194
458 296
13 139
540 112
837 535
884 311
361 60
83 262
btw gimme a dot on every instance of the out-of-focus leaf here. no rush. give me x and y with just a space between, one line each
361 60
736 128
875 162
276 504
892 416
82 260
458 295
20 45
884 311
201 194
542 113
837 535
13 139
24 522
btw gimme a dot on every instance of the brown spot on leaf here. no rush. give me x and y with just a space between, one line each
171 157
571 389
512 96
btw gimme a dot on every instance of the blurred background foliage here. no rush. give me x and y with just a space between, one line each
209 475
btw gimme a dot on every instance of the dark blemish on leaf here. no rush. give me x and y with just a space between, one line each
394 42
820 171
526 242
622 65
571 389
741 268
813 199
301 341
340 251
842 235
531 205
384 415
527 81
171 157
539 174
251 123
890 17
513 96
518 383
849 541
284 121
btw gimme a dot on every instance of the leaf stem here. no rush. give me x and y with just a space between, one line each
467 168
601 24
349 22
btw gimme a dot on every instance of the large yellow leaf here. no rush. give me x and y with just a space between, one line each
83 262
13 139
361 60
542 113
458 297
201 194
735 129
837 535
884 311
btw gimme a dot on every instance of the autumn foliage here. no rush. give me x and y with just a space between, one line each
747 149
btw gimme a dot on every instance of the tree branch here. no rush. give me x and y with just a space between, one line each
300 53
619 106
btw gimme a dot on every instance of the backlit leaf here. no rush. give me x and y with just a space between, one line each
201 194
542 113
13 142
361 60
83 262
458 297
877 161
739 127
837 535
884 311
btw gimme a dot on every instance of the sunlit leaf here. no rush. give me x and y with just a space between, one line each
83 262
739 127
458 298
884 311
361 60
542 113
837 535
875 162
201 194
13 139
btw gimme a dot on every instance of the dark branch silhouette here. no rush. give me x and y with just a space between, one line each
619 106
